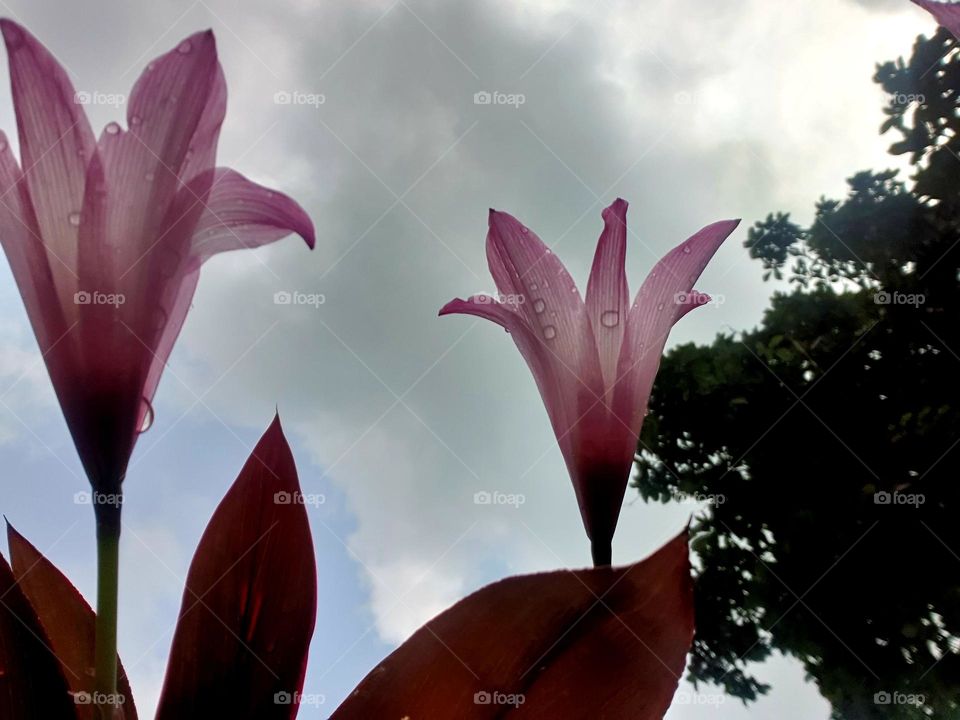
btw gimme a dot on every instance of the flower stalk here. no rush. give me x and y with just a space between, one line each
108 566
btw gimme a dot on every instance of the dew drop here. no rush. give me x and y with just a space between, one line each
686 249
148 177
611 318
549 332
534 286
112 128
539 306
74 219
660 306
524 229
135 120
184 47
147 415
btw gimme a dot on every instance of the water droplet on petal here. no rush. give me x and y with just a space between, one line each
184 47
148 177
611 318
147 421
660 306
539 306
549 332
524 229
135 120
534 286
74 219
112 128
686 249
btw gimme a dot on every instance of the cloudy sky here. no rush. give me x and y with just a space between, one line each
365 112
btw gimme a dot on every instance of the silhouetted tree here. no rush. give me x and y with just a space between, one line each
827 440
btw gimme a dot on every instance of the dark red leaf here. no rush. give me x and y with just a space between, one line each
599 643
249 607
32 683
68 622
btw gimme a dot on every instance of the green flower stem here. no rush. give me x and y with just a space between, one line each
108 560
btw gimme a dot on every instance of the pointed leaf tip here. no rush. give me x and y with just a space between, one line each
67 623
250 601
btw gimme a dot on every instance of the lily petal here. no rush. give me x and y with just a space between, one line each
241 214
56 143
664 298
139 172
946 13
608 296
24 249
526 271
543 365
235 213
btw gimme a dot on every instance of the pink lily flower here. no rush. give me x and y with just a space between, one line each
105 237
945 13
594 362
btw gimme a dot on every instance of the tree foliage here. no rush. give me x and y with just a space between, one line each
826 441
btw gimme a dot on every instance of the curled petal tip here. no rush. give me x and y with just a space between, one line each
616 210
309 235
451 307
13 33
